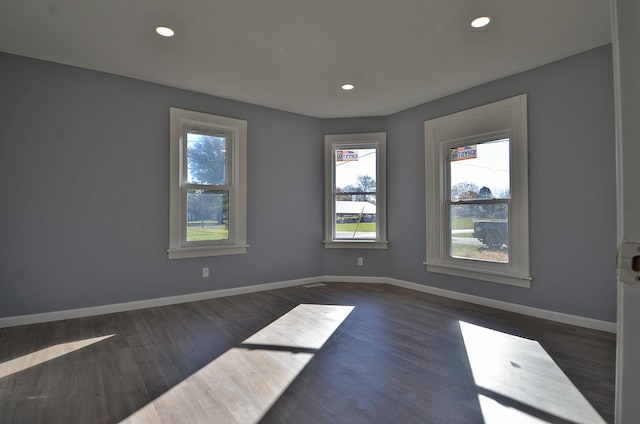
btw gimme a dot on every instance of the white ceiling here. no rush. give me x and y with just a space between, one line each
294 54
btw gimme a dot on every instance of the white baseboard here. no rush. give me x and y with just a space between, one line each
578 321
163 301
511 307
355 279
149 303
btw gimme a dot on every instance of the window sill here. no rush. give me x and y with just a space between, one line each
355 244
483 275
199 252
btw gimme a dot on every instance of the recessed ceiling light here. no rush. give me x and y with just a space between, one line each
481 21
165 31
348 87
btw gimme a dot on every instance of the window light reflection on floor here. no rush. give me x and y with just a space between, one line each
495 412
512 371
241 385
47 354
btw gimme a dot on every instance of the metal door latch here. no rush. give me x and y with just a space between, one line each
629 263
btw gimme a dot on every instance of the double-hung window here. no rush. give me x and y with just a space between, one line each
355 191
477 193
208 185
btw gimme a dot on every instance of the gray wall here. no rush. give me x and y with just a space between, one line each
84 183
572 188
572 194
84 186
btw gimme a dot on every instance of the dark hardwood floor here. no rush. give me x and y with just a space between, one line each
339 353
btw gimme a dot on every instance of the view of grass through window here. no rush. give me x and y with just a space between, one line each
355 193
208 198
479 194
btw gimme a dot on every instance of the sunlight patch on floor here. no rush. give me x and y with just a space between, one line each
47 354
494 412
304 327
522 371
242 384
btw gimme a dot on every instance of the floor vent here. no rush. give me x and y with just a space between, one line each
310 286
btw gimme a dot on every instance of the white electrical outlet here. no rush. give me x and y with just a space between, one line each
205 272
360 261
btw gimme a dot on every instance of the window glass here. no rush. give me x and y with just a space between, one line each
207 215
478 235
206 159
480 170
479 182
355 193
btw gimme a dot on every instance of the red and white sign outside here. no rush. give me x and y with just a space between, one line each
346 155
464 152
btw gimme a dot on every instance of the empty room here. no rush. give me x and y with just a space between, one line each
318 212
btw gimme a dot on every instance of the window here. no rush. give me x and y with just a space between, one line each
477 193
355 191
207 214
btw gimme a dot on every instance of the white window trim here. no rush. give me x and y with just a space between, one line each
180 121
505 117
356 141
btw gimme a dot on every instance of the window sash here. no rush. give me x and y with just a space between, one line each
186 186
229 150
185 122
492 122
350 234
492 251
229 220
353 225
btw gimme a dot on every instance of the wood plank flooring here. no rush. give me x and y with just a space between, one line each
339 353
